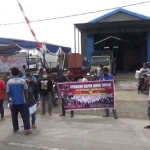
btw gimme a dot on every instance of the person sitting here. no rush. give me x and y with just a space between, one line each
144 70
28 74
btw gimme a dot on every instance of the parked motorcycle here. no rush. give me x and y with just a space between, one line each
146 85
91 76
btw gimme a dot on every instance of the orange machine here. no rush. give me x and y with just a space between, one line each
74 63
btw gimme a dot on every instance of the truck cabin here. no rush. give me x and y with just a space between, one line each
100 60
33 62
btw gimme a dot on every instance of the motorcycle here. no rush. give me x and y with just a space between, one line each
146 85
91 76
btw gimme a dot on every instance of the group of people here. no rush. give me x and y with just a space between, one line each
26 91
22 93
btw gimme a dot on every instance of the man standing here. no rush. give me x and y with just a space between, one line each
45 90
107 76
17 91
2 93
32 97
66 78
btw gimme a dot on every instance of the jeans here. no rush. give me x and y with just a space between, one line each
33 118
47 99
24 111
1 108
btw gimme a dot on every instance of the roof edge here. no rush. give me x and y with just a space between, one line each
117 11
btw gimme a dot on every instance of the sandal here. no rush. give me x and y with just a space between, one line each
147 127
34 127
27 132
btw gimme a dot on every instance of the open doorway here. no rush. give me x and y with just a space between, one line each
129 49
118 54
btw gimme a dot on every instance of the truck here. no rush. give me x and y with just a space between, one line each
36 58
104 58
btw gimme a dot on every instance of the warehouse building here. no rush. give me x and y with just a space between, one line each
125 33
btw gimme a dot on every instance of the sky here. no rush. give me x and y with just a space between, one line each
60 31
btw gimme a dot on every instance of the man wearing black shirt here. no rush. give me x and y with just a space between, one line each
45 89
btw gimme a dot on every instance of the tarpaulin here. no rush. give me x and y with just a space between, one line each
87 95
9 49
22 44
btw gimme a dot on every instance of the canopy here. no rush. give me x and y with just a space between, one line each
9 49
11 46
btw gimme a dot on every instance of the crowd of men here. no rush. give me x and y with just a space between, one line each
24 92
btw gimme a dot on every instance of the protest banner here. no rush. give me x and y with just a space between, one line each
87 95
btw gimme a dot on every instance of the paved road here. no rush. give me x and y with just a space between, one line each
83 132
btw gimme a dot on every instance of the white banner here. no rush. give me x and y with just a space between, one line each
7 62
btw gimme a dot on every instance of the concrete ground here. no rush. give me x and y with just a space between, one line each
84 132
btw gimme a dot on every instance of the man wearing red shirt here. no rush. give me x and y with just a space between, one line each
2 91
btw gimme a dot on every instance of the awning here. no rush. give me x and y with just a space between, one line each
9 49
121 26
9 46
52 49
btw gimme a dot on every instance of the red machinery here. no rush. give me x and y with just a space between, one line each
74 63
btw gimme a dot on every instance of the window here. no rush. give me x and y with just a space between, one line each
32 61
100 61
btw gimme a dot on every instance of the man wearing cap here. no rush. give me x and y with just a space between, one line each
107 76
